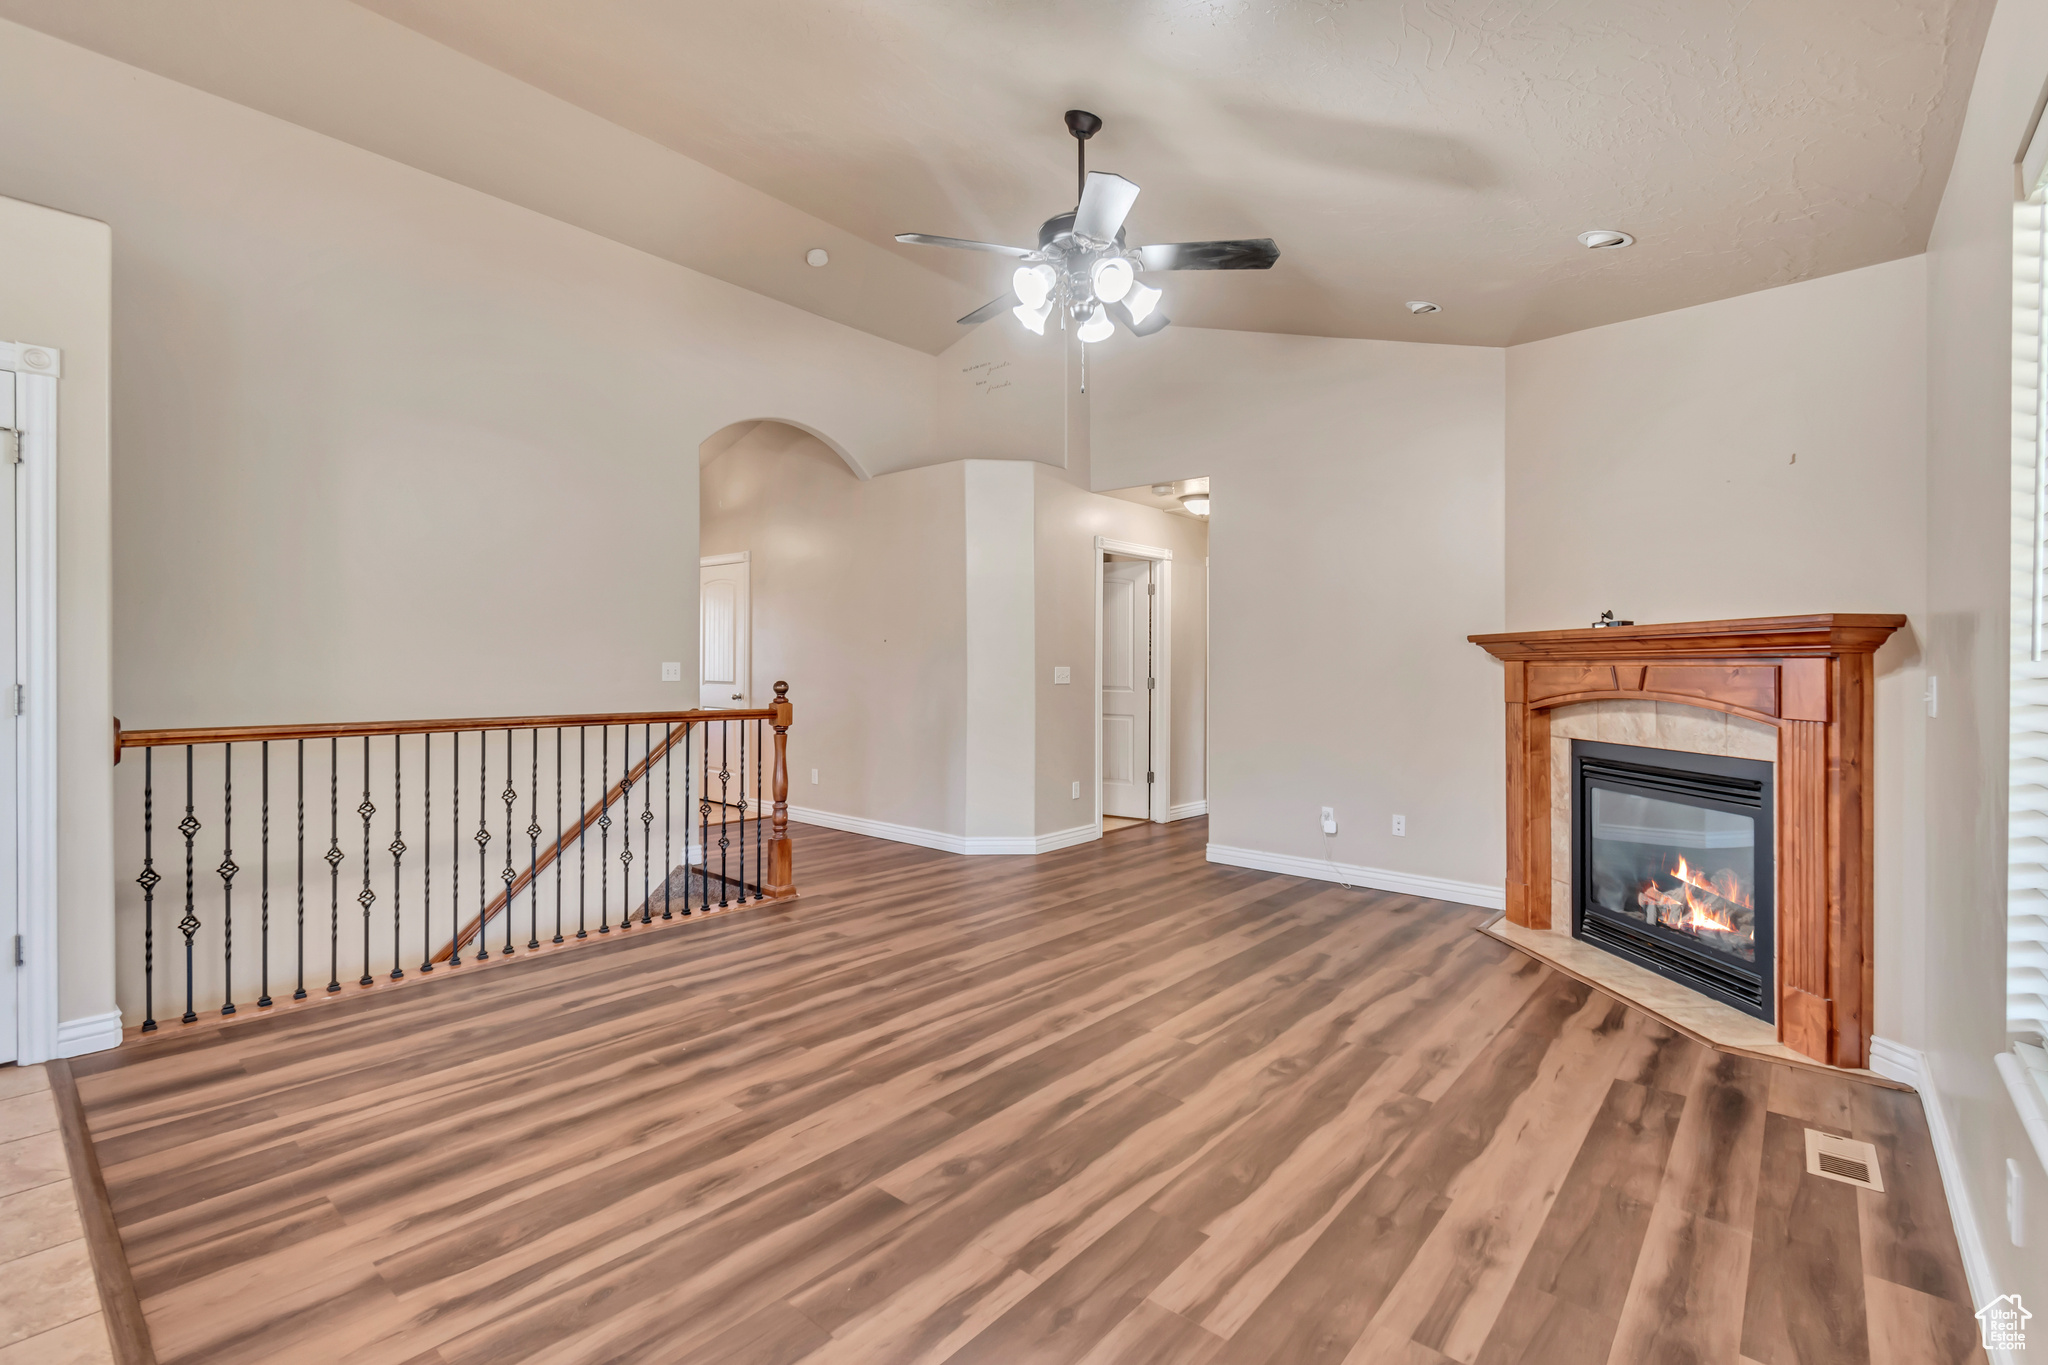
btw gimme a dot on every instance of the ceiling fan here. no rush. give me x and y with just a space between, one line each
1082 264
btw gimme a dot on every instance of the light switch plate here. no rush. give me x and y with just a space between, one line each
672 672
1061 673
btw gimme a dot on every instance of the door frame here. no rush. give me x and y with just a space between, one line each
1158 800
36 371
744 665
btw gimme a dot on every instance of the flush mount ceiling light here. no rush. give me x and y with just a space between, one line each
1083 267
1197 503
816 256
1605 239
1419 307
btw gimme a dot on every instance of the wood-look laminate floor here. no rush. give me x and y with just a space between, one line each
1111 1105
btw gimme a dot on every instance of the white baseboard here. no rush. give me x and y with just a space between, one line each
1909 1066
1375 878
966 844
1187 810
94 1033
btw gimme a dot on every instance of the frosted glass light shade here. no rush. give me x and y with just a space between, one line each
1098 327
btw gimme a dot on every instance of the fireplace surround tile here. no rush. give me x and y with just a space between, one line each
1628 722
1691 729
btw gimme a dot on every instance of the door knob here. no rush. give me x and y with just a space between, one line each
738 697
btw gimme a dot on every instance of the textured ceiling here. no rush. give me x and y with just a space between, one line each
1447 150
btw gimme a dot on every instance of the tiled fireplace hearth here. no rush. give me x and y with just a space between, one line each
1689 820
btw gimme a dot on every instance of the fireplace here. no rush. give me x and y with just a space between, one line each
1672 866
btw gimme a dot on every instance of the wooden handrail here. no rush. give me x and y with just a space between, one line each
241 734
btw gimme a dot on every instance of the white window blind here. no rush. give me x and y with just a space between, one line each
2026 991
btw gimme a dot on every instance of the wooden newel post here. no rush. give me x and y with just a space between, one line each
781 875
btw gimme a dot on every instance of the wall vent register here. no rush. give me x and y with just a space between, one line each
1672 867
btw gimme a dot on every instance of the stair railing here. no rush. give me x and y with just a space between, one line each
396 839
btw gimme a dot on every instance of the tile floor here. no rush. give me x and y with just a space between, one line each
49 1304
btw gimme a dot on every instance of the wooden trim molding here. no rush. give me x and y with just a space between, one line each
1813 678
127 1333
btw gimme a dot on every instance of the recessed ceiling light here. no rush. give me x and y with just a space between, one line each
1603 239
816 256
1418 306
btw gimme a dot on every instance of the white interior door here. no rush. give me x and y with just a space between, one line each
1127 651
723 614
10 879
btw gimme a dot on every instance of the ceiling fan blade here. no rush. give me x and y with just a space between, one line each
1105 202
1253 253
1152 323
991 309
962 244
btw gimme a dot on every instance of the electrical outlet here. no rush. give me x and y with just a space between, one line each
1062 674
814 777
1401 824
1329 819
672 672
1077 791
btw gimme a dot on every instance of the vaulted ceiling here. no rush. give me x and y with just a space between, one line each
1447 150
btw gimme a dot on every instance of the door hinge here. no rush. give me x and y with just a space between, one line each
17 699
1151 683
1148 779
10 441
1151 589
19 959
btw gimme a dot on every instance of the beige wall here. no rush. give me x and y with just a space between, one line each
1651 471
56 291
1068 520
858 604
1969 327
1355 540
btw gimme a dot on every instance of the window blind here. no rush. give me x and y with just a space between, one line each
2027 811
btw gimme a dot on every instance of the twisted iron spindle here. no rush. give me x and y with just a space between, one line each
366 897
761 812
646 822
582 823
455 853
189 925
334 857
533 846
147 881
483 839
668 867
558 834
704 826
396 848
263 994
299 992
427 855
510 798
227 871
743 812
604 830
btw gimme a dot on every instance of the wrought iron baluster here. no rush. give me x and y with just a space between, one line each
626 827
533 846
743 812
558 834
455 848
366 897
763 802
334 857
189 925
510 797
147 881
299 992
704 825
668 792
483 840
427 854
397 849
263 994
646 822
227 871
582 823
724 806
604 830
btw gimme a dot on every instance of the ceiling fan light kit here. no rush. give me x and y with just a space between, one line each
1083 267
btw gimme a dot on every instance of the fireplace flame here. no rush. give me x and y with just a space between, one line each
1698 901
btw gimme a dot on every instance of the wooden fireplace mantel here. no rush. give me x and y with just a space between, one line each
1810 676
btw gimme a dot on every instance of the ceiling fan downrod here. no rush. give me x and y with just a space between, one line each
1083 125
